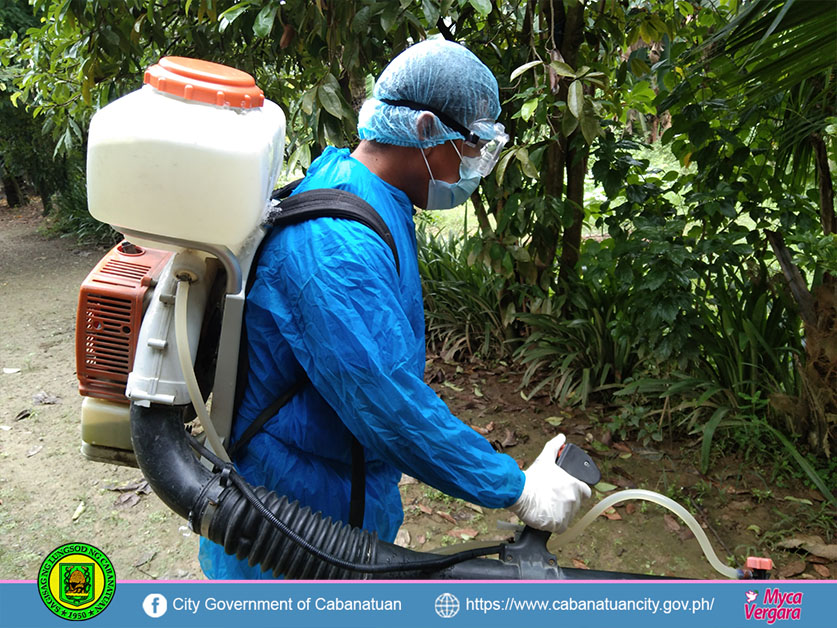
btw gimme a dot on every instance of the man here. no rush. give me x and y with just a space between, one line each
328 308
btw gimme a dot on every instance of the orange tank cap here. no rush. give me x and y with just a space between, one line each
204 81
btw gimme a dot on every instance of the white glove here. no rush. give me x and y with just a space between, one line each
550 496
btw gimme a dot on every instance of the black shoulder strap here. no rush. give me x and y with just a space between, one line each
321 203
329 203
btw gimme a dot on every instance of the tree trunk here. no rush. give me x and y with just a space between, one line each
575 160
571 240
14 195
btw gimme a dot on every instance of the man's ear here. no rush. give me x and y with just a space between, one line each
424 125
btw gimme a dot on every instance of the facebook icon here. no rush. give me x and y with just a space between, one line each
155 605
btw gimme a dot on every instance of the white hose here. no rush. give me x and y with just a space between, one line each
663 501
181 333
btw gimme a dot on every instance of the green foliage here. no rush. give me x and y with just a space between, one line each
73 219
583 350
24 150
680 302
461 301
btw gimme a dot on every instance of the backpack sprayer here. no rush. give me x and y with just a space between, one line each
159 328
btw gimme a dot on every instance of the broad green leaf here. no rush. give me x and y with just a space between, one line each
501 167
522 155
569 123
264 21
605 487
647 32
555 421
431 11
528 109
308 101
799 500
360 22
575 98
483 7
639 67
389 17
330 101
686 9
520 70
562 69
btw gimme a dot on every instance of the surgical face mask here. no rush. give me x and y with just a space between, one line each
444 195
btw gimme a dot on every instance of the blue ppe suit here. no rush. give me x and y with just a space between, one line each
327 301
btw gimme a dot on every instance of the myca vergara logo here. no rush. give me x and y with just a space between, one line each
76 581
775 606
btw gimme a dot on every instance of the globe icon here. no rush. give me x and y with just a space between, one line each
447 605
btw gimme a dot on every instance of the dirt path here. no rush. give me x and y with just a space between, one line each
50 494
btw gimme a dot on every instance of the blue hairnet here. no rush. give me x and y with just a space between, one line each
437 73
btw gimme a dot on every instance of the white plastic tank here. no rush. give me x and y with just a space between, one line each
194 154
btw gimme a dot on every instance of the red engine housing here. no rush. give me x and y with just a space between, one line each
110 309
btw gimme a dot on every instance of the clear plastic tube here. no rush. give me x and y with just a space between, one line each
616 498
185 356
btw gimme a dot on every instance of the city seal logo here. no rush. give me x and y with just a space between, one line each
76 581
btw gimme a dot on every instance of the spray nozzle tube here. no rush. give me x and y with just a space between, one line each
616 498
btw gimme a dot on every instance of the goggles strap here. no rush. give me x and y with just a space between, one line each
464 131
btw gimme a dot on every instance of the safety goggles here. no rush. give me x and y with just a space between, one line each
484 139
481 155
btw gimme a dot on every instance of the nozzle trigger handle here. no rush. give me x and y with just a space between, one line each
575 461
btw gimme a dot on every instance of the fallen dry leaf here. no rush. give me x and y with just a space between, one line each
509 439
792 569
402 539
34 450
811 544
147 557
685 534
427 510
622 482
466 534
612 515
421 539
446 516
23 414
579 564
670 522
630 509
406 479
127 500
822 570
621 447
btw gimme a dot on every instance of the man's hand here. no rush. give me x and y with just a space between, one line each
550 496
